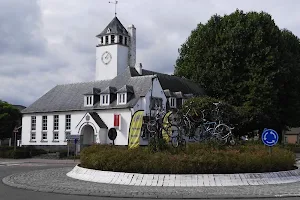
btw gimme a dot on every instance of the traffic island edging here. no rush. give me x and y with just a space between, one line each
184 180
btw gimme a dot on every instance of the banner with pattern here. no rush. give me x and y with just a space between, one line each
165 124
135 129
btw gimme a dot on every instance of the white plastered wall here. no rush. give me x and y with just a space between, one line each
76 118
118 63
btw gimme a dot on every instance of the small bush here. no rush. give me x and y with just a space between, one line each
196 159
20 152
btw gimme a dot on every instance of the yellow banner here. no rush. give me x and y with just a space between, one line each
165 124
135 129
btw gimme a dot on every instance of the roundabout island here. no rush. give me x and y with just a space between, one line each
80 180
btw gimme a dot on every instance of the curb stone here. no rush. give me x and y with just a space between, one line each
184 180
55 181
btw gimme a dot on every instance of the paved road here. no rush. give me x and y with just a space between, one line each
10 193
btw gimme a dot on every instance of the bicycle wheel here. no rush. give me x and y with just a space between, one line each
172 130
175 142
205 134
231 141
218 139
223 130
196 118
174 118
151 126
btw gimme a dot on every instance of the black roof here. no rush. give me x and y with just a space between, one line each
20 107
98 120
173 83
115 27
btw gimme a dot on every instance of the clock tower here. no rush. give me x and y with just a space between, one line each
116 50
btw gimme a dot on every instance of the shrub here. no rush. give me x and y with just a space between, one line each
20 152
198 158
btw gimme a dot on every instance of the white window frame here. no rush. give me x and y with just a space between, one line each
33 136
172 102
104 99
54 136
55 122
44 136
33 123
68 123
89 100
44 123
183 101
122 98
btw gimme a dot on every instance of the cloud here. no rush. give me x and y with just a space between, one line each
20 28
48 42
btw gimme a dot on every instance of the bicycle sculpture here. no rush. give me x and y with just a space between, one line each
196 127
190 126
155 128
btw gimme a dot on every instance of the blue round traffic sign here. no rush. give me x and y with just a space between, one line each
269 137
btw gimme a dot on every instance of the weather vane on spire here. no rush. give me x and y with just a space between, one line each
116 2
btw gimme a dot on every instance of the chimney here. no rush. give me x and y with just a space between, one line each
132 45
139 68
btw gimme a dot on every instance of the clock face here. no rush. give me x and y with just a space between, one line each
106 57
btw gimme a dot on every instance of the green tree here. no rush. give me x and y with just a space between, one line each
247 61
9 116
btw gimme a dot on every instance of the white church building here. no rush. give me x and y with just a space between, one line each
88 110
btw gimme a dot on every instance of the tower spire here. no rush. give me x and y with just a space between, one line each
115 2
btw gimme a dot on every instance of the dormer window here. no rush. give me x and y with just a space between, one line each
172 102
89 100
104 99
122 98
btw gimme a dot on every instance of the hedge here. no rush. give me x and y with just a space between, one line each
20 152
197 159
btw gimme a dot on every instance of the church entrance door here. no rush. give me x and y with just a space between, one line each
87 137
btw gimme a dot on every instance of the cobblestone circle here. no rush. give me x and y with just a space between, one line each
56 181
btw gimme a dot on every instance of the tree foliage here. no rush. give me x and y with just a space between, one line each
9 116
247 61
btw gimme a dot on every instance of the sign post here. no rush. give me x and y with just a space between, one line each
15 138
76 139
112 135
75 143
269 137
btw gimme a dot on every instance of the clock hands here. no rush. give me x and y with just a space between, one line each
106 57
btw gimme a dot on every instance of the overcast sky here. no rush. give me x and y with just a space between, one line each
44 43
